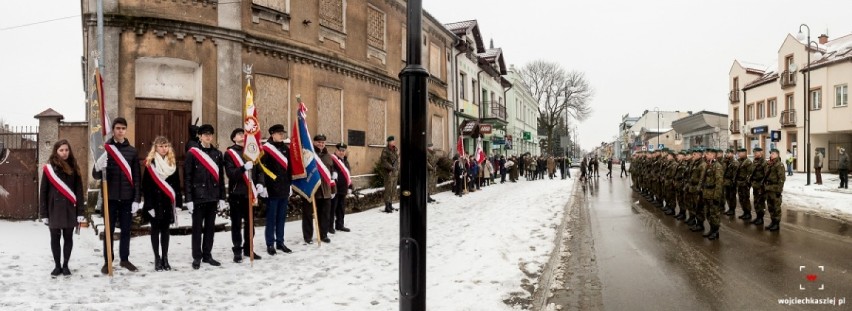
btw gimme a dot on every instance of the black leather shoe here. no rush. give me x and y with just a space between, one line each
344 229
196 263
325 240
211 261
56 271
238 258
66 271
256 256
331 230
309 241
166 265
270 250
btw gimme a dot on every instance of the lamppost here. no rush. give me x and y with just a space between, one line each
657 110
807 115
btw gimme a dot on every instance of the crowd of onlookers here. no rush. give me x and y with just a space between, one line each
470 175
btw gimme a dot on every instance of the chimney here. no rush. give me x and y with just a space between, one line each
823 39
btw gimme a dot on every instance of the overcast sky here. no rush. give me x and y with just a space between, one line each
671 54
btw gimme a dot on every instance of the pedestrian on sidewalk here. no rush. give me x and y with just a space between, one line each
843 169
818 167
162 193
609 168
61 201
623 168
790 159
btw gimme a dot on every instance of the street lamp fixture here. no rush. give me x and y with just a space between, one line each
807 101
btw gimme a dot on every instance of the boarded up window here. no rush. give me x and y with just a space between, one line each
328 113
331 14
278 5
404 36
270 96
376 127
375 28
437 132
435 60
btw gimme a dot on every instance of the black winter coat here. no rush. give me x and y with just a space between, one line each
158 200
54 206
199 184
280 186
119 187
236 184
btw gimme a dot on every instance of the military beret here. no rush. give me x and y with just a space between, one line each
341 146
696 149
391 138
756 149
773 150
741 150
683 152
205 129
713 150
729 150
429 145
319 137
235 132
278 128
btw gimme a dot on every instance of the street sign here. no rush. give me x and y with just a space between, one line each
527 136
775 135
485 128
661 146
563 141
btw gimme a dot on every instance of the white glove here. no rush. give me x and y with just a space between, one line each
333 194
101 162
259 189
134 207
81 219
349 191
334 176
291 191
189 206
263 194
152 212
248 165
221 205
44 220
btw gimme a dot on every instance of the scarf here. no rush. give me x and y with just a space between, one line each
162 167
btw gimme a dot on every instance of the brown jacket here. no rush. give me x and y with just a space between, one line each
326 190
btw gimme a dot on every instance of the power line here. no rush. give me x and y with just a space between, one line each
36 23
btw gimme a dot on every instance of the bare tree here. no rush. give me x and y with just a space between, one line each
560 95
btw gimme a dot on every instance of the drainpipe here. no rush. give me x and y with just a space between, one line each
506 130
456 91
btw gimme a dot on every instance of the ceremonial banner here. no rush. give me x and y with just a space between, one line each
307 169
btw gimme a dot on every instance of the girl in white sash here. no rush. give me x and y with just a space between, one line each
161 191
61 201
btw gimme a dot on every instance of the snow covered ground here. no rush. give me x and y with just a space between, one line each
480 247
825 199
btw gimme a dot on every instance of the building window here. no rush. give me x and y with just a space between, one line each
437 131
375 28
332 14
790 102
404 35
330 114
816 99
435 61
772 105
462 83
736 115
749 112
761 113
841 95
282 6
376 129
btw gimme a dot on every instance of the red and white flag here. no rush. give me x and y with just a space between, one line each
480 154
460 147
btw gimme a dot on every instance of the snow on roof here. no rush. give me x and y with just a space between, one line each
831 52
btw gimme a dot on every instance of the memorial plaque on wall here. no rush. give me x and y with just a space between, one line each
355 138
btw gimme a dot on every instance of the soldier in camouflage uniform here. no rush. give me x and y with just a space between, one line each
743 179
774 185
758 190
712 192
669 183
679 184
695 177
730 166
390 167
432 169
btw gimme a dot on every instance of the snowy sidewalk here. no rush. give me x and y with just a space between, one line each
480 247
825 199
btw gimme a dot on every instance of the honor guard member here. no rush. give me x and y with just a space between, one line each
730 164
693 197
774 185
120 162
432 169
204 186
679 184
669 181
714 180
323 196
344 186
743 181
757 188
239 184
274 179
390 168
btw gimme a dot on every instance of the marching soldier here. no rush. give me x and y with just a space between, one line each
238 195
712 192
758 190
390 167
774 186
730 166
205 192
274 179
743 181
432 168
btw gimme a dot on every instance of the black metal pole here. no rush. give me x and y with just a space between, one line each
808 116
412 200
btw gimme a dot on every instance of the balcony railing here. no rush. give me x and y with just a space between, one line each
735 126
496 110
788 79
734 96
788 118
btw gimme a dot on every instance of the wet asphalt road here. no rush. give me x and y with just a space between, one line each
646 260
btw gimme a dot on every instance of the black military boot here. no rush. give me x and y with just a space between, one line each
681 215
731 211
388 208
669 210
714 233
758 220
774 226
746 216
699 226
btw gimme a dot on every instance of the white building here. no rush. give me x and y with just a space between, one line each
522 110
653 124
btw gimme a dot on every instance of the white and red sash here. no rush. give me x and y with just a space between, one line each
206 161
343 170
161 182
116 156
239 162
59 184
276 154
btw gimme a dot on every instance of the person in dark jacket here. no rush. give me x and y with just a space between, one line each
344 185
458 175
273 183
61 201
121 164
204 186
843 169
239 185
162 194
323 195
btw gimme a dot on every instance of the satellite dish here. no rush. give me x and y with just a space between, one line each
792 67
716 129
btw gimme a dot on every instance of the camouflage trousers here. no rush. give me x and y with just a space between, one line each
433 183
669 195
744 196
759 199
681 200
713 211
731 197
697 206
390 188
773 199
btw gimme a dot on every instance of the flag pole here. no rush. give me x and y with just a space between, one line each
105 191
316 218
107 234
